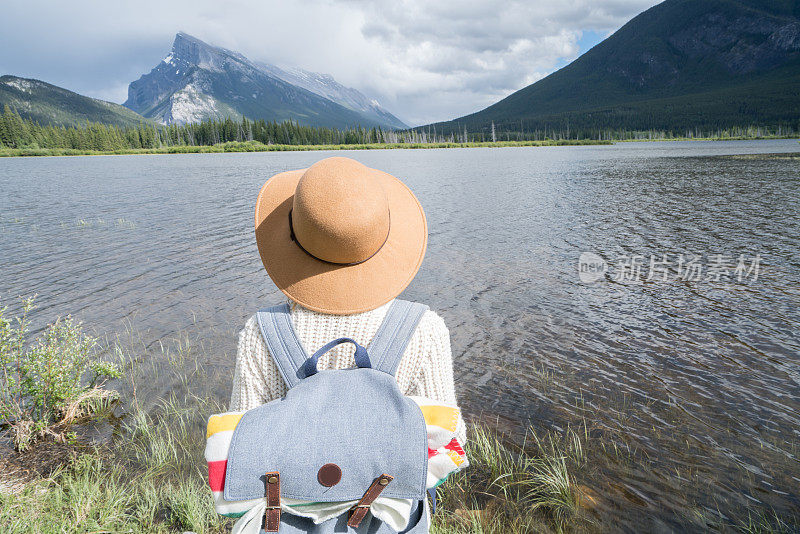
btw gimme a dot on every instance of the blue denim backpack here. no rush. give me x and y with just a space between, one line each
337 435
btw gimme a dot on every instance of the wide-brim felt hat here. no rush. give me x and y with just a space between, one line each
340 237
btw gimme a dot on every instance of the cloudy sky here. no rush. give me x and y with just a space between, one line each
423 60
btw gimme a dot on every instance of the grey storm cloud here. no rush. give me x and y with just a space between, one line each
425 61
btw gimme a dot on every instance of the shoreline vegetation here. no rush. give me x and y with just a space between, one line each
255 146
24 137
148 474
135 464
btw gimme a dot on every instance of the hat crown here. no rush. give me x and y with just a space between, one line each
340 212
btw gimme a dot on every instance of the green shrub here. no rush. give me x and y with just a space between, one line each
47 383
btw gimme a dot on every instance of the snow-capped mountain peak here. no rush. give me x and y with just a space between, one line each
197 80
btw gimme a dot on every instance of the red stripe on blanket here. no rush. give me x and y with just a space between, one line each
216 474
431 452
453 446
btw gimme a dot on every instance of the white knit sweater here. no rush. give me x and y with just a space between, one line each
426 368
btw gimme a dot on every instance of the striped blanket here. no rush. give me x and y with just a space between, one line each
445 453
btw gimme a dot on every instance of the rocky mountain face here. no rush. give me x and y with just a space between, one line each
49 104
739 45
683 41
197 81
324 85
680 64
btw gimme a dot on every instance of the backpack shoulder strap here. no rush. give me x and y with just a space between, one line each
390 341
282 343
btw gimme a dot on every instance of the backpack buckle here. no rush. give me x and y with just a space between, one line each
272 512
359 510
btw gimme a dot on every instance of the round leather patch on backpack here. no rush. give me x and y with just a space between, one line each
329 475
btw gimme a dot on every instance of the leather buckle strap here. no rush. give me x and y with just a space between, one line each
359 511
272 513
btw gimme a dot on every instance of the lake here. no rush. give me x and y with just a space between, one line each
672 343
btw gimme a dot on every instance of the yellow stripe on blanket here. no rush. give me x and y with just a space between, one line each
442 416
457 458
222 422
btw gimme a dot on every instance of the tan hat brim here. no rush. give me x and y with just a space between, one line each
340 289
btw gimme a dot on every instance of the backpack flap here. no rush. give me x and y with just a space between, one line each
355 420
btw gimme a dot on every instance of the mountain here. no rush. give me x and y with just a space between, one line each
197 81
50 104
680 65
324 85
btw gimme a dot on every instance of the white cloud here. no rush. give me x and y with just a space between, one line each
423 60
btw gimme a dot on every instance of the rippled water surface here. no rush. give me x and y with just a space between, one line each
689 390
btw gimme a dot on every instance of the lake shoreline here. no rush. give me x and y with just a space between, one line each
129 467
252 146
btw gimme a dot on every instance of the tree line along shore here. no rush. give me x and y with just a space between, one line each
24 137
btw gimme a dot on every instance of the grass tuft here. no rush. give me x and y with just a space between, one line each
151 479
514 489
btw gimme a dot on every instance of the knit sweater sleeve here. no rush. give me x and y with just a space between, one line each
435 379
256 378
